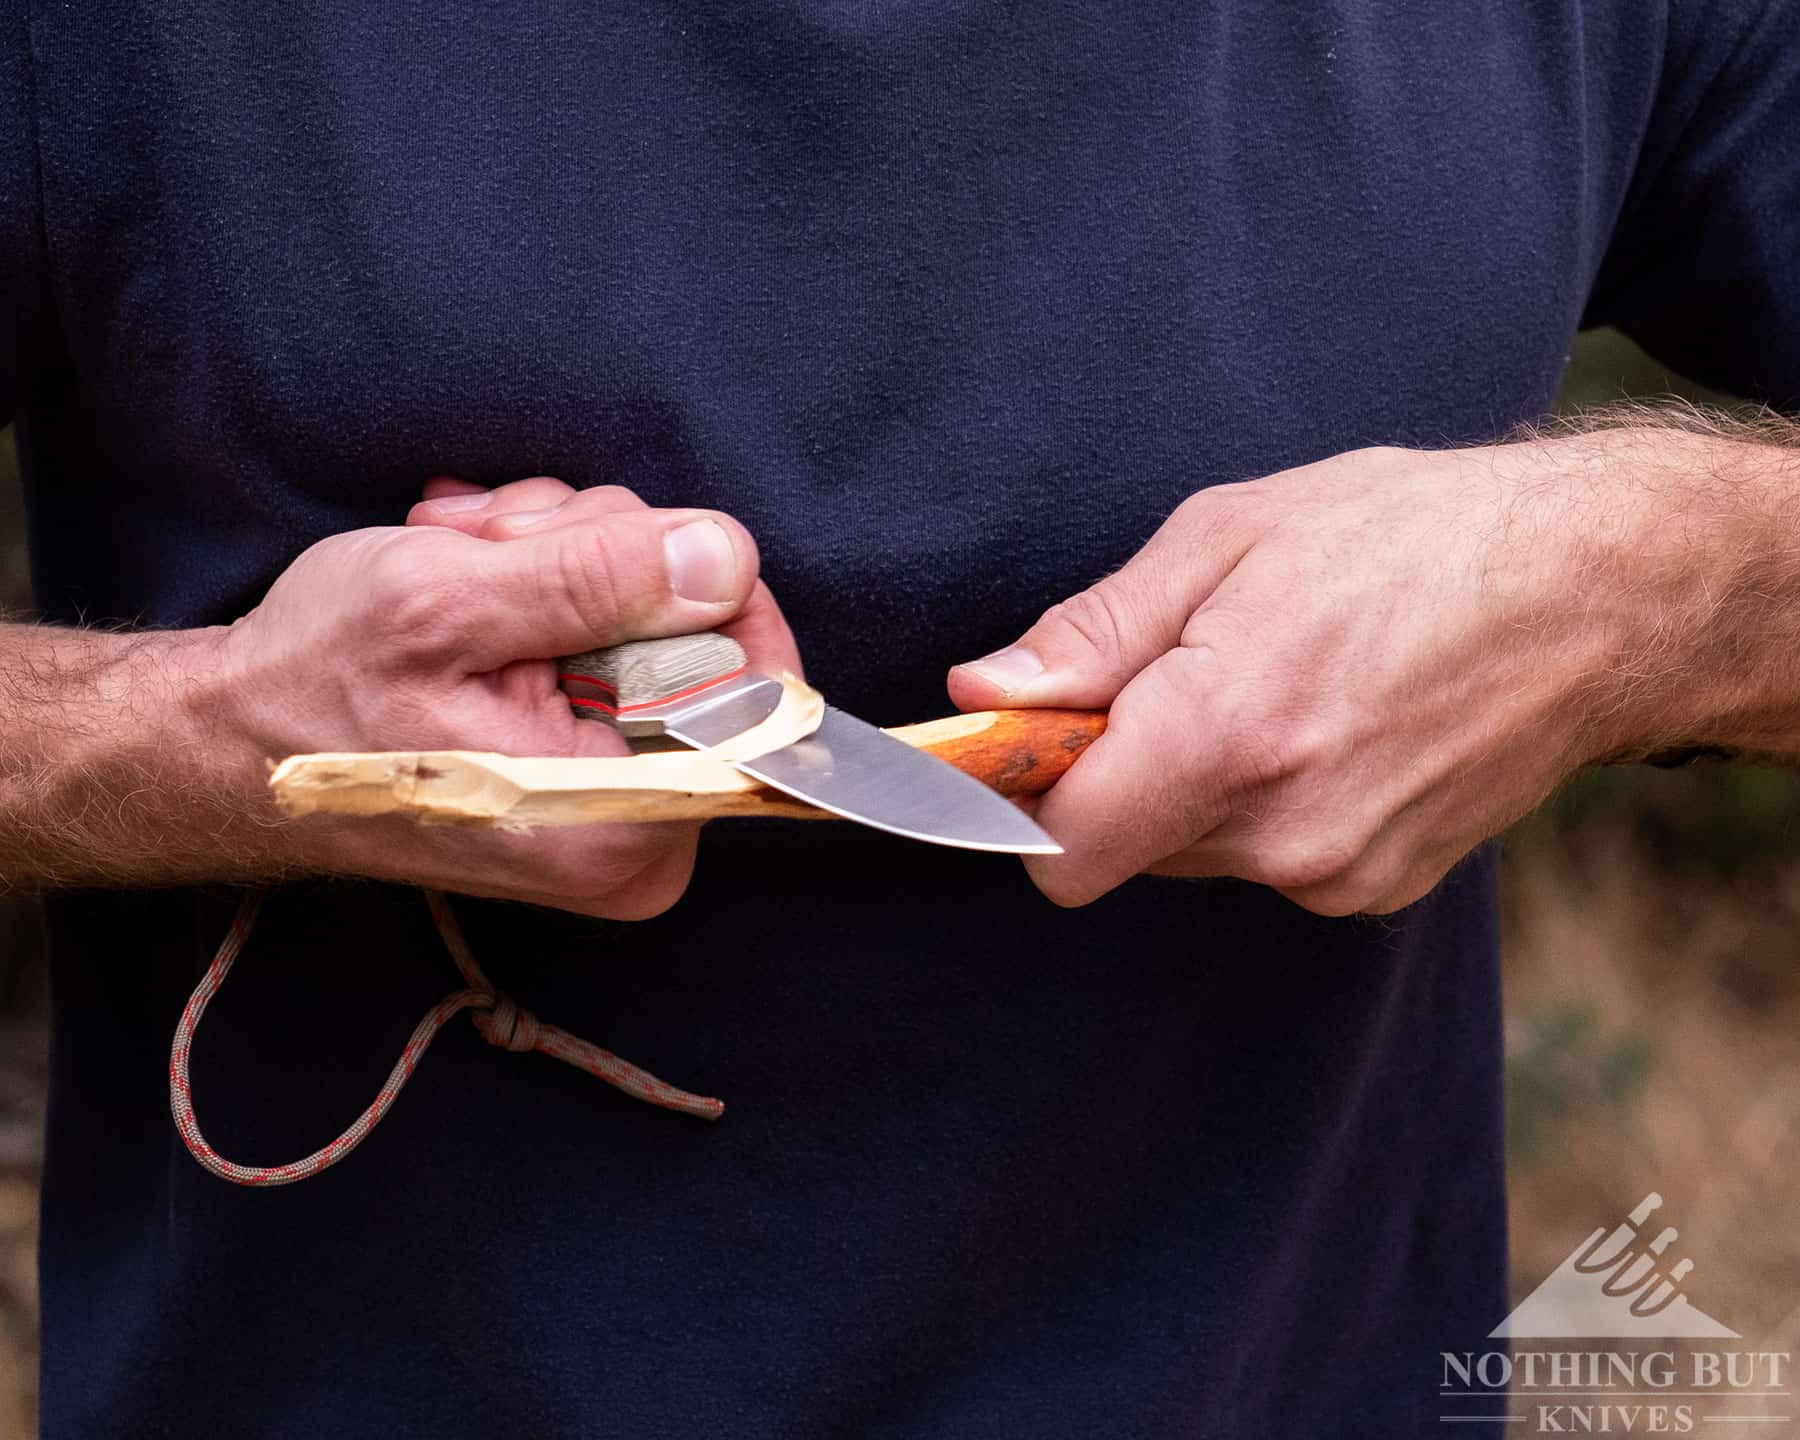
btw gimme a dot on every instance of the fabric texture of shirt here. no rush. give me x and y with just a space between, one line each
950 304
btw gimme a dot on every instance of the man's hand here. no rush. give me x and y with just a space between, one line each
428 636
1339 680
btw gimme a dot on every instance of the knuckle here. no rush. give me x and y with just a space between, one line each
1204 509
616 497
1310 862
405 586
536 487
1329 900
1263 743
1094 617
393 572
1403 885
1254 757
590 579
1221 508
1062 886
541 492
1358 887
1184 683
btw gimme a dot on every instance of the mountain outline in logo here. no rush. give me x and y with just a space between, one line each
1615 1286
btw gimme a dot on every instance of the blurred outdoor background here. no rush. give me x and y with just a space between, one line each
1652 970
1653 1014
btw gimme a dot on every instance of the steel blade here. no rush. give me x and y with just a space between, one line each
852 769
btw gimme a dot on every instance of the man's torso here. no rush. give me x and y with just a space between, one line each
950 305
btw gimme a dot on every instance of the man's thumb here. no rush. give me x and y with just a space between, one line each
1080 654
1086 649
591 581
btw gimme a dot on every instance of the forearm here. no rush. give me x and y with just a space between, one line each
117 767
1701 609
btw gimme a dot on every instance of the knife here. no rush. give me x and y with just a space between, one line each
701 690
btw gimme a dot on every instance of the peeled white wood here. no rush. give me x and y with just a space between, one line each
516 792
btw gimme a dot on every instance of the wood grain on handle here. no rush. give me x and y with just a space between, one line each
1017 752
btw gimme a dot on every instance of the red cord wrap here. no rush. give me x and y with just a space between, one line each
500 1021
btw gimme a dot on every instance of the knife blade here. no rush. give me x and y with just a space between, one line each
701 691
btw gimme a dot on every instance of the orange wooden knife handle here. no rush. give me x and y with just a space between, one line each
1018 753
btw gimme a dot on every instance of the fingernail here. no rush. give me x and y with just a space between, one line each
702 562
525 519
472 500
1007 669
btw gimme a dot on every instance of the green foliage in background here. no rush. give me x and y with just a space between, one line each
1559 1067
1605 367
1717 816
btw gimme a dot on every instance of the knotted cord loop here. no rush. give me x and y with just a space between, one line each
500 1020
507 1026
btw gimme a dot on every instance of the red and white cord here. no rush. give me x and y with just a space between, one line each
500 1021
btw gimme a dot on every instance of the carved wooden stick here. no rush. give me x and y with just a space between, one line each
1017 752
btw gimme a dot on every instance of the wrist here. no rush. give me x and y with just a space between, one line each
1687 579
177 725
242 716
243 700
202 689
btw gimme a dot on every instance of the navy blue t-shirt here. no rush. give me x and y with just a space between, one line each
950 304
